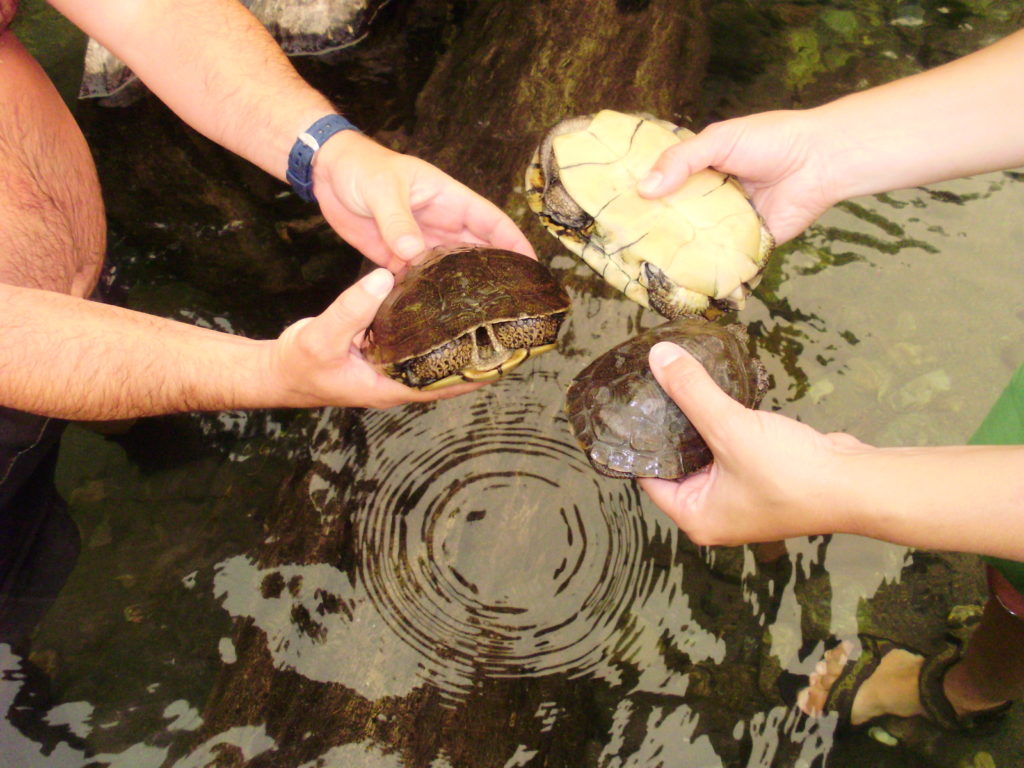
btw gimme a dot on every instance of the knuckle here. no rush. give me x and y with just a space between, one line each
395 222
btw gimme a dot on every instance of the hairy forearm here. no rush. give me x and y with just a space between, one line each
77 359
961 498
960 119
214 64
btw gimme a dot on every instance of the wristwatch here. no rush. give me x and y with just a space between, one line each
300 159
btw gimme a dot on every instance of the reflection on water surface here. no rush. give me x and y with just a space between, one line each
452 585
460 567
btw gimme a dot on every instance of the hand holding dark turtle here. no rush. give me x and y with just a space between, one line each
318 361
772 478
696 252
392 206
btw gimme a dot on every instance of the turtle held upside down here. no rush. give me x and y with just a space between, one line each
702 245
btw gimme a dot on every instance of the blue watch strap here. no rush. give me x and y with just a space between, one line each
300 159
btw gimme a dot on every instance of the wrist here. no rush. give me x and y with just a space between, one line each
838 154
303 153
284 376
342 152
846 487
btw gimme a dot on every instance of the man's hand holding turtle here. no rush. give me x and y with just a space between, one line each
317 361
393 206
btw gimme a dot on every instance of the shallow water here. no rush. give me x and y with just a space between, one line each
481 557
452 585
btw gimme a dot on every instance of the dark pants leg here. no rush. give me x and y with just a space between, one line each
39 543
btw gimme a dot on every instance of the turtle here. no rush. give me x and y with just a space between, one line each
689 256
465 313
626 423
702 247
301 27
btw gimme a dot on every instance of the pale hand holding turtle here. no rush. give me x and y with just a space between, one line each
775 155
770 476
774 477
702 244
796 164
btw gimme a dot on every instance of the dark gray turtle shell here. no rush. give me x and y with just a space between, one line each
626 423
466 312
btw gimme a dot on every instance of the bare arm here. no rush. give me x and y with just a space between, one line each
963 118
215 65
961 498
219 69
774 477
76 359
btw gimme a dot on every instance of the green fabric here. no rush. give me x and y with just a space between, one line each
1004 425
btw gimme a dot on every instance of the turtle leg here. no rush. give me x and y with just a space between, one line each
668 299
488 351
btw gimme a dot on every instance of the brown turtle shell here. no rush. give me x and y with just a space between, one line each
627 424
455 297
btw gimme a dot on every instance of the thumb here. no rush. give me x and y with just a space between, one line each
330 334
675 165
388 201
692 388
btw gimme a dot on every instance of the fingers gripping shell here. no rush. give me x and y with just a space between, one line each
465 313
626 423
703 244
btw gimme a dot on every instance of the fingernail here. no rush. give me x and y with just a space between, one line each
408 246
649 184
665 352
378 283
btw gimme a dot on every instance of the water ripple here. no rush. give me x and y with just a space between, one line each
487 543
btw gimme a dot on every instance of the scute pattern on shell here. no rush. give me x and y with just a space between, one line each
457 300
703 245
627 424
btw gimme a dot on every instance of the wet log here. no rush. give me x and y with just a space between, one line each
519 68
513 69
